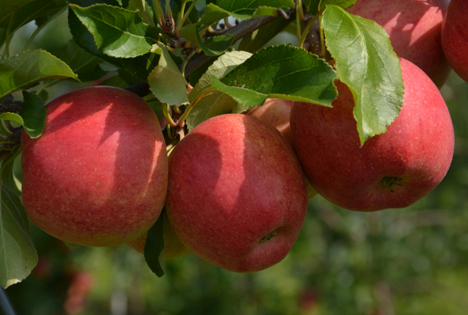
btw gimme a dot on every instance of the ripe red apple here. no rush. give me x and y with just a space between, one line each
173 247
236 194
98 174
414 27
276 112
392 170
455 37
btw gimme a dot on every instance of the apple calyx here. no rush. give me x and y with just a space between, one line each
389 182
267 237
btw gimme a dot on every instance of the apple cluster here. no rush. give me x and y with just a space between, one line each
234 189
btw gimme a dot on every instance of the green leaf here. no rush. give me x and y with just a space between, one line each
189 32
220 68
33 113
143 9
315 6
85 39
244 9
216 45
21 71
215 103
154 246
284 72
212 14
213 46
85 65
12 166
246 97
87 3
7 7
366 62
259 38
117 32
18 255
139 67
12 117
265 11
166 82
176 5
28 12
241 9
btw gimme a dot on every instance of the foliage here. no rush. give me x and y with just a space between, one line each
342 263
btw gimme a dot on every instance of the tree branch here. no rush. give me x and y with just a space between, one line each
239 31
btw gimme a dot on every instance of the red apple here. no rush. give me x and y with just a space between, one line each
414 27
392 170
455 37
173 247
276 112
236 194
98 174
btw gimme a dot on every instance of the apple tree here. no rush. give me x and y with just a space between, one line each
191 61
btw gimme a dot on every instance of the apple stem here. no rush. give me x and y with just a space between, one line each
167 115
268 237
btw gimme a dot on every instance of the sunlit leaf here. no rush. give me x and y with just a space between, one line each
28 68
366 62
117 32
215 103
167 82
280 72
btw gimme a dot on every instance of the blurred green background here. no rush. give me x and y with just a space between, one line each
397 261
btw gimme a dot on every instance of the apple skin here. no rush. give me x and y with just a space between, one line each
173 247
98 174
414 27
276 112
455 37
414 154
234 181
